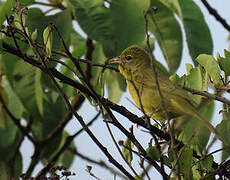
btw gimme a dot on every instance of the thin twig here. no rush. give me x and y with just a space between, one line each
119 150
62 54
60 6
70 108
99 163
177 160
210 145
114 120
207 94
68 141
78 117
157 82
15 155
159 151
213 12
66 80
120 109
144 170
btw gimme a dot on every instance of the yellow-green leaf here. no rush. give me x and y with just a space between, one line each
153 152
224 62
185 160
194 80
127 153
47 39
210 65
168 33
39 91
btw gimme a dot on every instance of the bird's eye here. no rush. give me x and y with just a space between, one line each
128 58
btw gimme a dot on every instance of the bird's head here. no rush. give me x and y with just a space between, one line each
131 58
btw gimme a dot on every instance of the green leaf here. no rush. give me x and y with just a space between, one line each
189 67
193 133
153 152
116 85
198 35
8 135
226 53
24 86
168 34
37 20
9 65
127 153
194 80
171 4
17 21
207 162
210 65
197 174
9 170
69 90
47 39
177 79
224 62
185 160
151 42
108 25
17 165
98 78
54 112
15 104
22 75
5 8
161 68
67 157
92 16
131 29
34 35
77 40
39 90
223 128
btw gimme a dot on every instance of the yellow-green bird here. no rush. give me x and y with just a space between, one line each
135 65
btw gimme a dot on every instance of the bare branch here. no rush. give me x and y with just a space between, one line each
207 94
213 12
99 163
67 143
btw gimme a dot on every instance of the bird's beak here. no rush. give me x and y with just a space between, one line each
115 60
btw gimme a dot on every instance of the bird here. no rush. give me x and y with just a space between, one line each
161 102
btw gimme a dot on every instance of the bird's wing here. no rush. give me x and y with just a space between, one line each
146 79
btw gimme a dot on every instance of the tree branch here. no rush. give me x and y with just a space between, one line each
67 143
213 12
207 94
99 163
8 48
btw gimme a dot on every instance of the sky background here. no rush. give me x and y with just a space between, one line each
86 146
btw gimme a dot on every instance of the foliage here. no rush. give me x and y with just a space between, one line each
48 69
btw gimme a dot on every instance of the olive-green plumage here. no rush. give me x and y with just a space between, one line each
135 65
